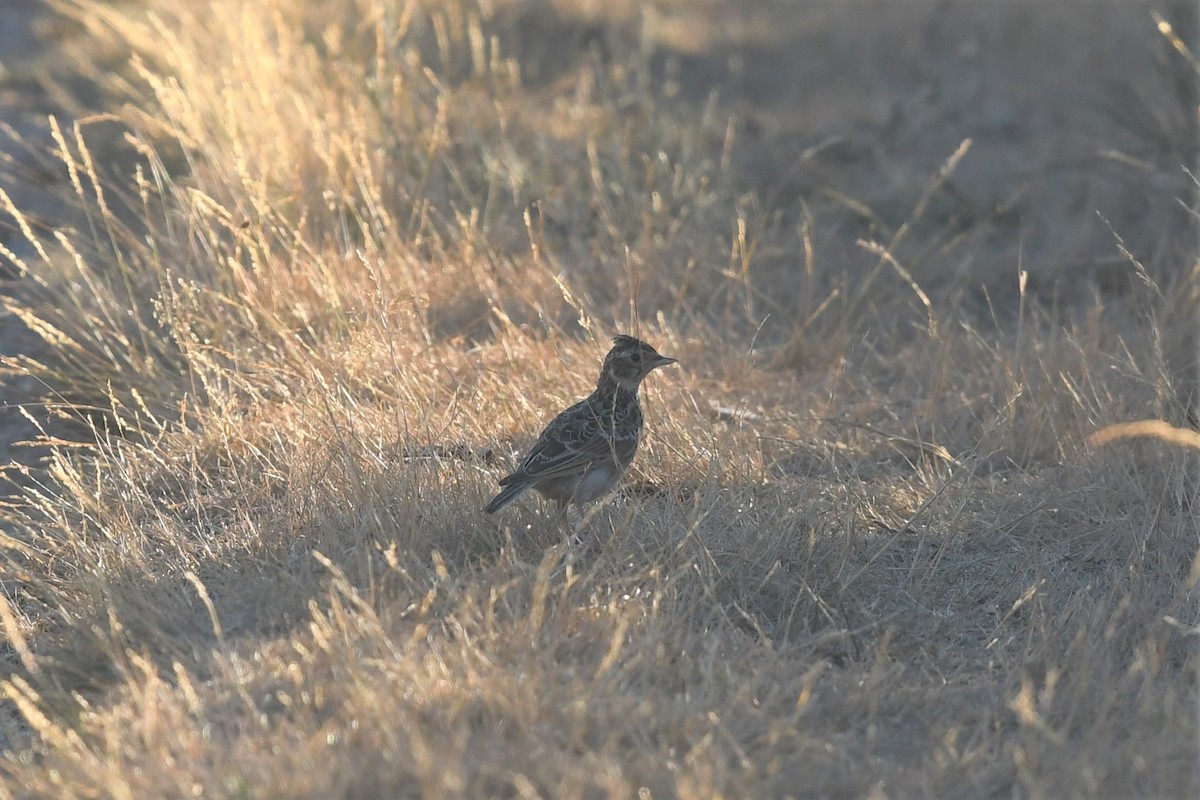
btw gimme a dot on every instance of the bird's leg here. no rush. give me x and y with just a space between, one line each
585 537
587 528
577 531
563 518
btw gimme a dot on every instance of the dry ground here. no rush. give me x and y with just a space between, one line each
304 276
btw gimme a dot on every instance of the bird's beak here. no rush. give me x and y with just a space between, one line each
663 361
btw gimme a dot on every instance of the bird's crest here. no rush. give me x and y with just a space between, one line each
625 340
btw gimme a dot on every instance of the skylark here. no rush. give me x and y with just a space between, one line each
583 452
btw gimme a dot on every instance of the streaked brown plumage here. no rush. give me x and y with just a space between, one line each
583 452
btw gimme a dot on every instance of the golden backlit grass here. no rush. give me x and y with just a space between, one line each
352 255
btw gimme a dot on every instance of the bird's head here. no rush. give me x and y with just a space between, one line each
630 360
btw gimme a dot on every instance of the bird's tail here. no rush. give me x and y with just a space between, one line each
507 495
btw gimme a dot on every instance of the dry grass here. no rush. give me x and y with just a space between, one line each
321 287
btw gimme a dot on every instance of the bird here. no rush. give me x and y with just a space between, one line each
583 452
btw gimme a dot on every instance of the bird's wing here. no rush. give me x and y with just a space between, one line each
569 445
